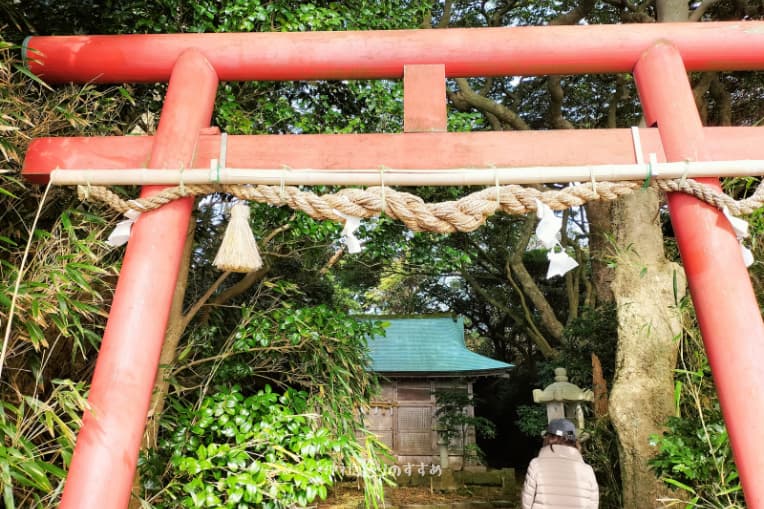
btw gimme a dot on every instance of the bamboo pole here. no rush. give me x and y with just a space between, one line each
409 177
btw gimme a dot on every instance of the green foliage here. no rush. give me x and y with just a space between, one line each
318 349
38 441
694 455
265 450
600 450
455 422
245 446
63 288
593 331
258 107
459 121
531 420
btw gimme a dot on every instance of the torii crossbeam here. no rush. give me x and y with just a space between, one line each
659 55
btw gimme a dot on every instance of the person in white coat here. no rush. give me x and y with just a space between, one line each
558 478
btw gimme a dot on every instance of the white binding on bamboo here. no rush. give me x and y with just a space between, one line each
411 177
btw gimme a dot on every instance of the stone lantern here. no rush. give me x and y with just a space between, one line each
563 399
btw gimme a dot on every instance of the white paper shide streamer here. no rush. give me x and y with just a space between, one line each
740 227
548 233
348 232
121 233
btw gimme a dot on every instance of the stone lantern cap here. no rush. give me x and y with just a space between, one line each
562 390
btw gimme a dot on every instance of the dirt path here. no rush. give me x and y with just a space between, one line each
347 497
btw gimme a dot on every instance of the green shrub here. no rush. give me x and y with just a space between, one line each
265 449
454 422
694 454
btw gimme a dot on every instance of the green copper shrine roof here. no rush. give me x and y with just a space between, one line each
429 345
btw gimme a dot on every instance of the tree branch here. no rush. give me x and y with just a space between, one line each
699 92
572 279
189 315
446 18
556 119
522 242
497 18
536 335
240 287
701 10
528 285
618 94
548 318
334 259
723 103
467 96
544 347
574 16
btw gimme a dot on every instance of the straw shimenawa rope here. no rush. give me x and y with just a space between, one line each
466 214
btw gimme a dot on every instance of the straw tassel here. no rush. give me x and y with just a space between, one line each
238 251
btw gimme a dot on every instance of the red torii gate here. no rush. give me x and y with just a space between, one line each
659 55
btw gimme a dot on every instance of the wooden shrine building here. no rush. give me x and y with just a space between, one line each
417 357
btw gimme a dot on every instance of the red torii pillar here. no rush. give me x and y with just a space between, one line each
728 313
100 478
105 456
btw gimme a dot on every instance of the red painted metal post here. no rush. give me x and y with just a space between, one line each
728 314
103 466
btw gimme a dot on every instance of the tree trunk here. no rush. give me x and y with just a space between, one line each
599 388
600 216
646 289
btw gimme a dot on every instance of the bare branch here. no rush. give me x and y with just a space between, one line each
701 10
530 288
189 315
574 16
723 104
334 259
446 18
556 119
618 94
525 237
699 93
281 229
536 335
546 349
487 86
467 96
527 286
572 278
495 122
244 284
